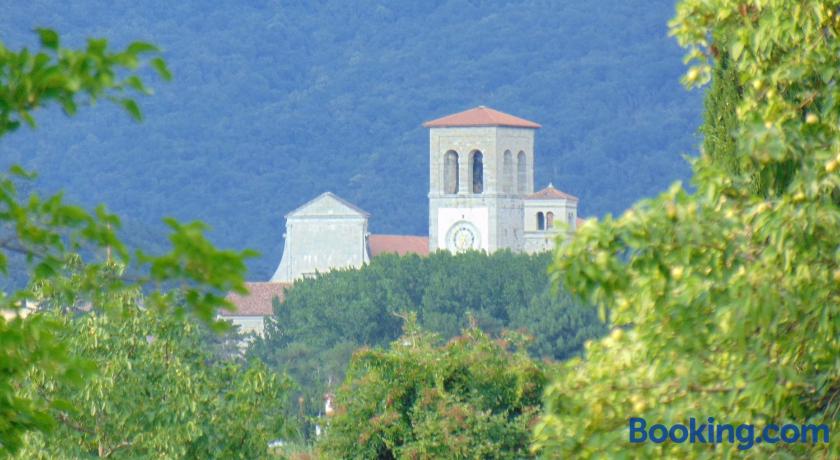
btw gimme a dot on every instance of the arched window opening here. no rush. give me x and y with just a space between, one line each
477 172
540 221
549 220
450 172
507 173
572 219
522 175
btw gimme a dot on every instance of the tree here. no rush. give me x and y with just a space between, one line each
157 392
719 118
724 302
62 247
322 321
472 398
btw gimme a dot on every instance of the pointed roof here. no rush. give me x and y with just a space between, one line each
332 196
551 193
481 116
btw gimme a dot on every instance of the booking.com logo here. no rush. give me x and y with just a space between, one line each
712 433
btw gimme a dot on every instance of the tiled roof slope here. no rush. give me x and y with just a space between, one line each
481 116
258 300
398 244
551 193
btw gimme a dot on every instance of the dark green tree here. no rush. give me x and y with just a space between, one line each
322 321
720 121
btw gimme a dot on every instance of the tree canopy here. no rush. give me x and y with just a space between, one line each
322 321
157 391
72 257
724 301
471 398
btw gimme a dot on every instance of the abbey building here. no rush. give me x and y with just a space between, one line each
481 197
481 187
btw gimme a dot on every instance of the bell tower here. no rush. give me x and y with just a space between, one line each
481 169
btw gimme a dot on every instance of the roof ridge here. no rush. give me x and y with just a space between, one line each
333 196
481 116
551 192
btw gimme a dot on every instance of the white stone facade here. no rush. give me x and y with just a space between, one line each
499 212
481 197
495 208
324 234
546 219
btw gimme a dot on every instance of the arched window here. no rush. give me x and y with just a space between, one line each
549 220
507 173
477 172
521 173
450 172
540 221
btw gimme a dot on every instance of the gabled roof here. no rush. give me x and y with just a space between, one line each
328 196
551 193
258 301
398 244
481 116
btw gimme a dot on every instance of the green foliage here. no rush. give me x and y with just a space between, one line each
68 77
322 321
154 394
472 398
719 118
72 257
731 298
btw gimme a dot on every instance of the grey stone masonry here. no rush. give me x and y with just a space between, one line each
324 234
493 211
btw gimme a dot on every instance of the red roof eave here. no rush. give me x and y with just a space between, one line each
481 116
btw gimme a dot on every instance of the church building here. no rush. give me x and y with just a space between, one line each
481 197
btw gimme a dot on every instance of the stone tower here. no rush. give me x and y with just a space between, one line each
481 169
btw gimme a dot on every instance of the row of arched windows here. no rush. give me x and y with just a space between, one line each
511 180
545 221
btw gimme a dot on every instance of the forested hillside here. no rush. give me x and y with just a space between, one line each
274 102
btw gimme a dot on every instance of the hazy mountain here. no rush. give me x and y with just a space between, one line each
275 102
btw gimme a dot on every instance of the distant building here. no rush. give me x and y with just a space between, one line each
323 234
25 309
253 307
546 213
481 197
481 185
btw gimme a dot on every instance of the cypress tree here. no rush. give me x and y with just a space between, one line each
719 118
720 125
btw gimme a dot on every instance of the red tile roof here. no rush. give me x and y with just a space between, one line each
481 116
551 193
398 244
258 300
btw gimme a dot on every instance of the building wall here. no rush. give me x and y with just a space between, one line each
322 236
537 240
560 208
248 324
502 226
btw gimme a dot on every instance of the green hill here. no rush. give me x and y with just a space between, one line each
275 102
